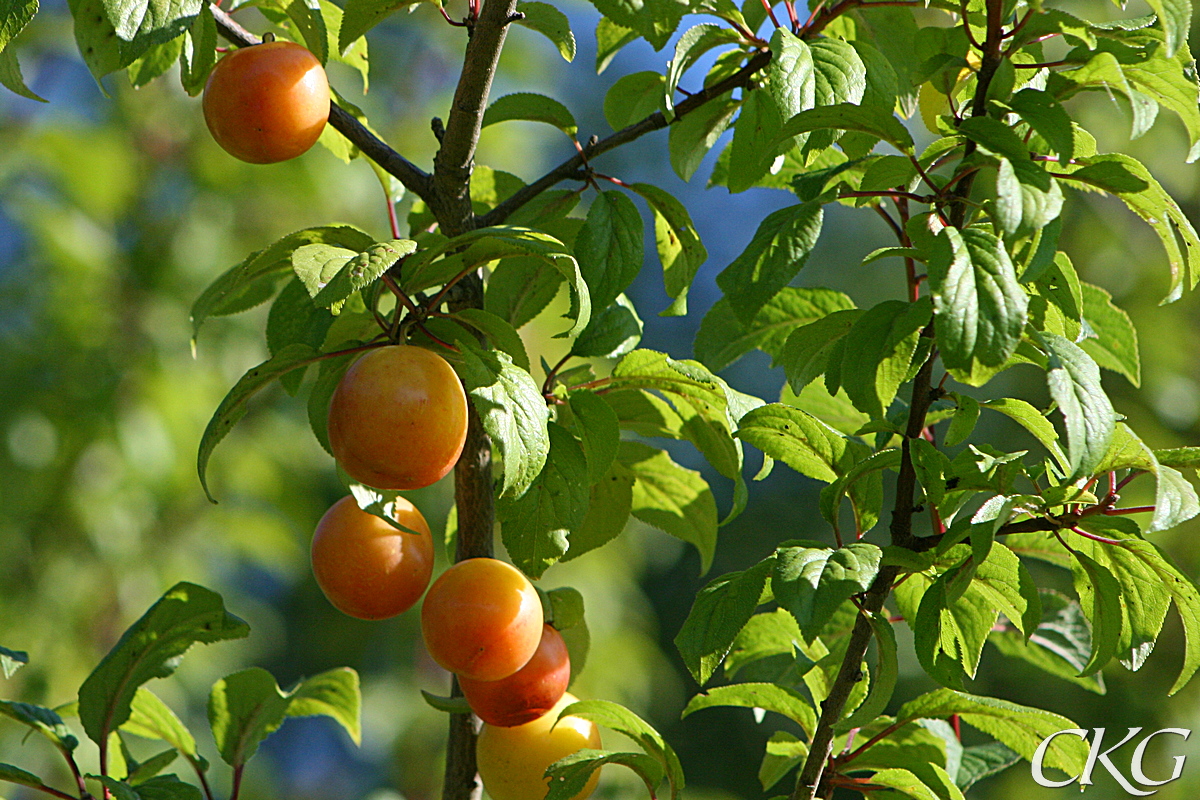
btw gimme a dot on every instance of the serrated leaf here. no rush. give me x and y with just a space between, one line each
776 253
534 524
695 42
1115 342
756 141
610 502
497 330
1100 597
45 721
531 107
611 333
362 15
198 56
982 760
765 696
513 413
520 288
1059 645
870 120
255 279
813 582
358 273
655 20
551 23
801 441
720 611
569 775
1042 112
140 24
233 407
633 98
671 498
1019 727
599 432
782 754
693 135
610 38
791 73
620 719
12 660
1074 381
723 337
812 349
1031 420
334 694
151 718
979 308
609 247
152 648
680 250
879 349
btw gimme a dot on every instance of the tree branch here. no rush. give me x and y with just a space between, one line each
455 159
409 174
572 167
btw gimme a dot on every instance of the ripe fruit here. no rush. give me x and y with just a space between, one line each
512 761
367 568
529 692
268 102
398 418
482 619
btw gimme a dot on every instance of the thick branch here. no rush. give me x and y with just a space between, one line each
455 159
571 168
413 177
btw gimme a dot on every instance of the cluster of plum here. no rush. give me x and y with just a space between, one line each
398 420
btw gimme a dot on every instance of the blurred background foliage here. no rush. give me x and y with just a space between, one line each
115 211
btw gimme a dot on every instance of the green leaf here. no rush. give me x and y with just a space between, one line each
1074 381
776 253
693 135
151 718
295 319
152 648
756 141
766 696
569 775
839 77
871 120
16 775
12 660
363 15
948 631
695 42
233 407
43 720
248 706
801 441
256 279
1114 343
680 250
1176 19
904 782
813 582
1147 198
334 694
1059 645
633 98
362 270
1100 597
610 38
613 332
671 498
551 23
622 720
433 266
723 338
982 760
165 787
979 308
963 422
883 680
14 16
812 349
497 330
598 429
879 349
532 107
609 247
1031 420
610 502
791 74
720 611
1042 112
783 753
328 378
198 56
513 412
655 20
520 288
772 636
534 525
1019 727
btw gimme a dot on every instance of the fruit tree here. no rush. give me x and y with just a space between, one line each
908 343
